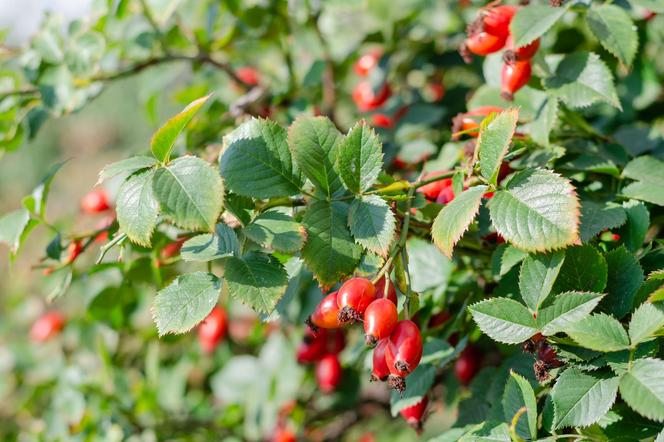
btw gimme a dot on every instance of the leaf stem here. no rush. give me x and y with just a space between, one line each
404 252
108 246
515 421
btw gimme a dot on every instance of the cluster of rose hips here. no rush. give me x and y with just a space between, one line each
322 348
440 191
490 33
397 343
545 356
369 99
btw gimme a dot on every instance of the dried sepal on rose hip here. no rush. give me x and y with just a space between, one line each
403 353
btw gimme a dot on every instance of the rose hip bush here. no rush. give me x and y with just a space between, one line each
370 216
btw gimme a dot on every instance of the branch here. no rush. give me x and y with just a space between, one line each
141 66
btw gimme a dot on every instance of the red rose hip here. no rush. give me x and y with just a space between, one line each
353 298
513 77
47 326
380 370
467 366
213 329
328 373
95 201
403 353
414 414
379 320
326 314
391 291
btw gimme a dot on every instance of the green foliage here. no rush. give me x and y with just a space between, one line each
451 222
314 186
190 192
185 302
537 211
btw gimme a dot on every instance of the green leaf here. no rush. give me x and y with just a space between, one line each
276 230
36 201
190 192
128 166
638 221
649 173
615 31
537 275
581 79
597 217
372 223
330 251
642 387
210 246
257 162
581 399
519 393
584 269
494 142
537 211
504 320
12 226
437 352
567 309
417 386
646 321
488 432
163 140
185 302
532 21
314 142
256 279
137 208
505 258
624 279
429 269
360 158
451 222
599 332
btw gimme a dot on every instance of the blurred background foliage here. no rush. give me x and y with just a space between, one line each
108 377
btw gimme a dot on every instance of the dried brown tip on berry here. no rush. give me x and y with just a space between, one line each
509 56
397 383
541 371
465 53
402 366
528 346
457 124
312 326
371 341
507 96
349 314
375 378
